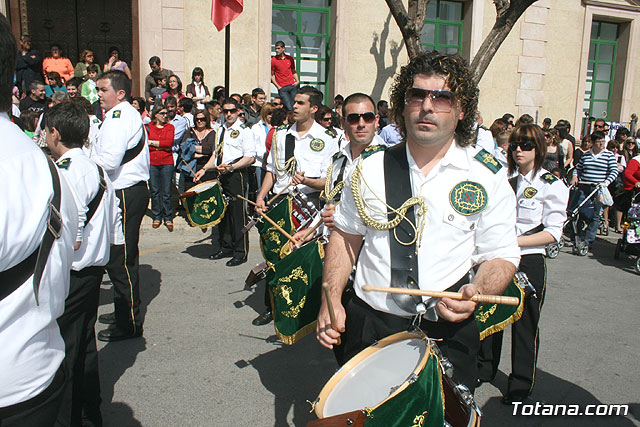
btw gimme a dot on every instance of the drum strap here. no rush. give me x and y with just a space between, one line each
132 153
404 260
289 146
34 264
340 177
220 147
95 202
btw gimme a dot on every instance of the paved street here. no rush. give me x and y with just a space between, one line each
202 363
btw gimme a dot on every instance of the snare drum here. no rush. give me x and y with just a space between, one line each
205 204
402 380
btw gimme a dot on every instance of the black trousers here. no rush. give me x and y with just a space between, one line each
364 326
123 263
81 398
228 235
525 339
39 411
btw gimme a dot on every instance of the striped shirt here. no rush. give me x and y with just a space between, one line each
598 168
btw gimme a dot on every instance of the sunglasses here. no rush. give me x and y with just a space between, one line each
325 119
524 145
354 118
441 100
200 119
230 110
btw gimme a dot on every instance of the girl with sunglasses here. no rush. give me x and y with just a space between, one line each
541 212
161 167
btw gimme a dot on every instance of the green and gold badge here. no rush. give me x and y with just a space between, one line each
529 192
468 198
316 144
235 133
116 114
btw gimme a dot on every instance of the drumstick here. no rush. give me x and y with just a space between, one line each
314 228
332 315
269 220
187 164
281 192
491 299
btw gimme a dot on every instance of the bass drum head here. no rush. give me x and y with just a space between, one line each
373 375
203 186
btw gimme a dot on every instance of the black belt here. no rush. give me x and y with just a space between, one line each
34 264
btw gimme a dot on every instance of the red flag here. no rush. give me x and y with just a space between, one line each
225 11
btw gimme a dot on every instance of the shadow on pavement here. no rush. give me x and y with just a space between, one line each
116 357
551 390
604 251
295 374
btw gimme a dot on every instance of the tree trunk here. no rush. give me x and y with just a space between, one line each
508 13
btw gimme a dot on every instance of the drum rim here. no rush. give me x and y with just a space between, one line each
196 187
364 354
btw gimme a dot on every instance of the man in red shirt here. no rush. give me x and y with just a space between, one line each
284 76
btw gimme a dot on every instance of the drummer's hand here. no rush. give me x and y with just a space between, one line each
199 175
299 238
260 205
325 334
223 169
327 216
298 178
457 310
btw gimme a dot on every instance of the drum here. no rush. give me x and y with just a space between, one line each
205 204
293 213
402 380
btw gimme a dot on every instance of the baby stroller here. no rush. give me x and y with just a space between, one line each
630 241
580 211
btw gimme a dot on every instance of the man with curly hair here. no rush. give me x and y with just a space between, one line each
422 214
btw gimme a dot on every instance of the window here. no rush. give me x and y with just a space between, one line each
303 26
600 69
442 29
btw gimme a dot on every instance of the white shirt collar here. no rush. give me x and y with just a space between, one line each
70 154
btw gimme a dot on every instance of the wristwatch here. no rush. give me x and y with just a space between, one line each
230 168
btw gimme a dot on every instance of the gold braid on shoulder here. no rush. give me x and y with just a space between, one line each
362 206
290 165
329 193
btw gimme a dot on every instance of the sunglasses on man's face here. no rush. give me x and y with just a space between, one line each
230 110
354 118
441 100
524 145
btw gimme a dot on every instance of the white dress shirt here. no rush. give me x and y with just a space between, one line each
314 162
121 130
105 227
541 202
31 348
451 243
238 141
260 131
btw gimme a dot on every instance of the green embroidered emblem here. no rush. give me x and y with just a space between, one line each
372 149
96 120
488 160
235 133
243 126
529 192
549 177
64 163
316 144
468 198
281 127
331 133
116 114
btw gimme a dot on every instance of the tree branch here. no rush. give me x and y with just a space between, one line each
410 23
508 13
